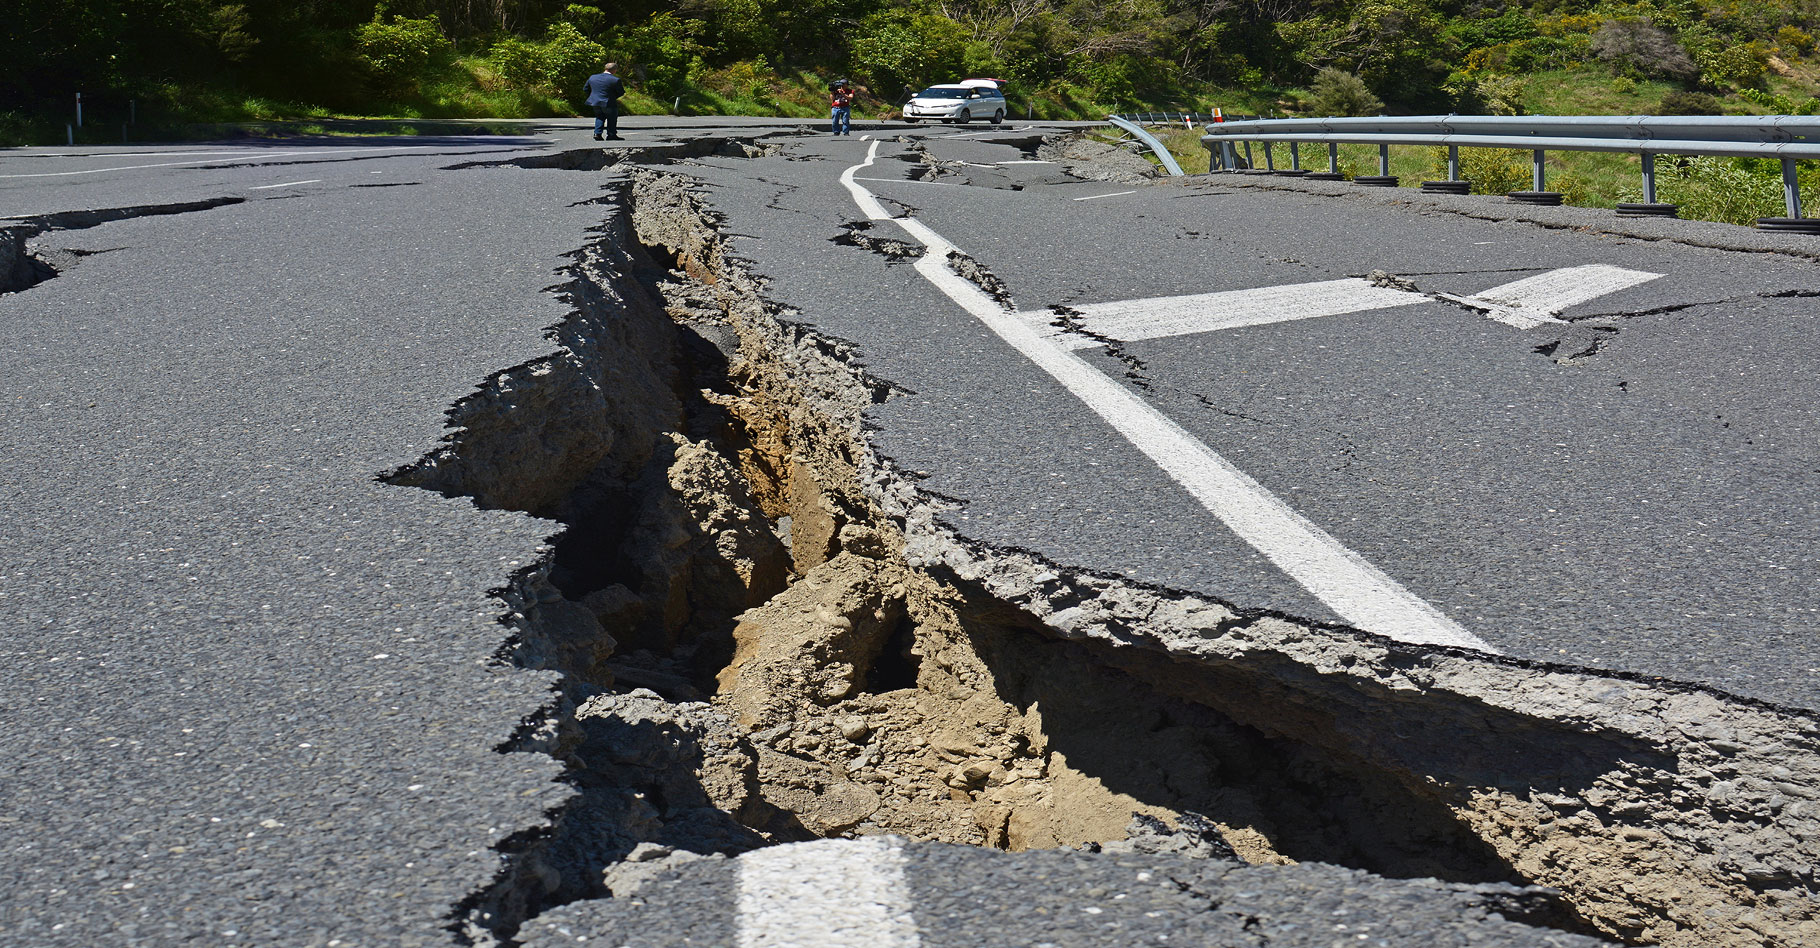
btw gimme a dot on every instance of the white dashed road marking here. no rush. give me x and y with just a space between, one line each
832 893
1112 194
287 184
1525 304
1530 302
1131 320
1352 587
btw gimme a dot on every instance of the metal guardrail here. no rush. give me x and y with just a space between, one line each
1786 138
1169 118
1162 153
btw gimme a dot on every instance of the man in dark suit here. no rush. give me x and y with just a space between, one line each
604 90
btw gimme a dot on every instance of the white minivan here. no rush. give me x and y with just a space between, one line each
960 102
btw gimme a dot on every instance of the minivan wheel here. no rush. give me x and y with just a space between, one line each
964 117
998 118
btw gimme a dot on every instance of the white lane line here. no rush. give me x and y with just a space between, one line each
1354 589
1131 320
287 184
1092 197
1535 300
212 161
832 893
868 205
1027 161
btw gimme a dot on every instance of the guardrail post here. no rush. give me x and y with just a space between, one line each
1453 184
1270 156
1249 164
1232 156
1295 156
1649 207
1333 158
1538 177
1791 195
1383 161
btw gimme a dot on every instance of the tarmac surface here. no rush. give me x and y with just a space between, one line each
249 690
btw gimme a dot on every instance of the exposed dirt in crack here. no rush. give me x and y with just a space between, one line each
764 635
859 234
1091 160
975 273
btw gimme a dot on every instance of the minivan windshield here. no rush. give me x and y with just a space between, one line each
944 93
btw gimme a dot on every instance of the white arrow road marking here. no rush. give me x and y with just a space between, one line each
1131 320
1530 302
1350 586
832 893
1525 304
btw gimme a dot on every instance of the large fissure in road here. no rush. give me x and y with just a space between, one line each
763 633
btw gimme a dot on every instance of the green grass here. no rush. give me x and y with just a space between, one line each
1590 91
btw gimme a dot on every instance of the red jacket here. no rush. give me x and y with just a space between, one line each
842 99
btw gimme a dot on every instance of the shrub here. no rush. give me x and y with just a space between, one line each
400 53
1781 104
1491 170
664 50
1624 85
1740 66
518 63
1639 46
1679 102
1721 189
1490 94
556 66
1341 93
1795 41
569 58
591 20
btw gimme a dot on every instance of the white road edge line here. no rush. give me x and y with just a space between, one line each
1354 589
212 161
287 184
831 893
1112 194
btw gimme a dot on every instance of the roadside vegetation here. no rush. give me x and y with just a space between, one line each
166 64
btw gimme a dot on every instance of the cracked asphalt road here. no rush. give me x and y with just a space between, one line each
248 696
1632 488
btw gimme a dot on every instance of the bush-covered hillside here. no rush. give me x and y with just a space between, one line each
214 60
